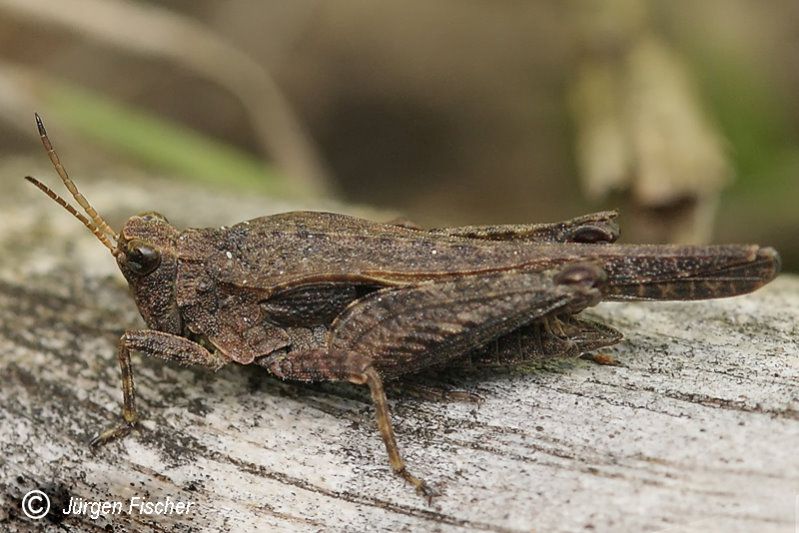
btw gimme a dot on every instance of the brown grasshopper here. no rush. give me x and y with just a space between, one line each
324 297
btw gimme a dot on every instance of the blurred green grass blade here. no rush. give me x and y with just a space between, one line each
752 116
161 143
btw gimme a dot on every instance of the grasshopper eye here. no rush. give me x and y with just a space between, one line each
142 258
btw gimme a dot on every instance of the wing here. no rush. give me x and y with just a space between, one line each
598 227
282 252
291 249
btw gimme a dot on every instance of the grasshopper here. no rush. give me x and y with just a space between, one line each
314 297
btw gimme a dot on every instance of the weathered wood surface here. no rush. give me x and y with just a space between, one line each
696 430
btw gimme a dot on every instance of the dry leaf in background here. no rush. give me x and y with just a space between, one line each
642 131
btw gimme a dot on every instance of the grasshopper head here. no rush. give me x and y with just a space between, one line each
146 244
147 256
145 250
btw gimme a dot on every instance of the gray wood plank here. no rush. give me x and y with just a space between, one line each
696 430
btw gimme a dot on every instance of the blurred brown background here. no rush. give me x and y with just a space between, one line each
682 114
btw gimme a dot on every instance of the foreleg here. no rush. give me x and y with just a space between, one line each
156 344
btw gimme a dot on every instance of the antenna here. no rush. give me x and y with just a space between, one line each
62 173
63 203
95 222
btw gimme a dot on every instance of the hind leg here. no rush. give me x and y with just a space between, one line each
395 332
322 365
564 336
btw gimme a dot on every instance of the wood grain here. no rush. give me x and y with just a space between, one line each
696 429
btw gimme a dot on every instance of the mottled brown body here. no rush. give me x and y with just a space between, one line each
322 297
